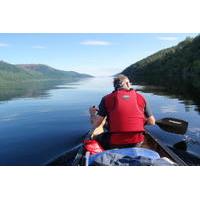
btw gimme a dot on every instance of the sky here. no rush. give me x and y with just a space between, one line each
95 54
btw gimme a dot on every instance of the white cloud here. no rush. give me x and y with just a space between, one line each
3 44
95 43
38 47
168 38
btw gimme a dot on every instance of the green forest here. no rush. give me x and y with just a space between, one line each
10 73
178 66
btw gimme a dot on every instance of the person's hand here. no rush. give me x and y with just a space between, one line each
92 111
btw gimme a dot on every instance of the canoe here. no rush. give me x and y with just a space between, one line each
79 156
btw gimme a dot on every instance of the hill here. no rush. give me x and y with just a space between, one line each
176 65
33 72
50 72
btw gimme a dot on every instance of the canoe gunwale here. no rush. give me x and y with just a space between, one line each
166 152
80 158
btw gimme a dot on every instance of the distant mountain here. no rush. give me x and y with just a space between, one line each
170 66
48 71
29 72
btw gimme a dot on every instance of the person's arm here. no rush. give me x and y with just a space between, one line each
97 115
151 120
149 115
95 119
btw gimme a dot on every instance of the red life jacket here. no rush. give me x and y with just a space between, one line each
125 118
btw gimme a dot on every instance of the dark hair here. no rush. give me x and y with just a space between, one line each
118 80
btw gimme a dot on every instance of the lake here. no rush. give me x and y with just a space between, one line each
41 120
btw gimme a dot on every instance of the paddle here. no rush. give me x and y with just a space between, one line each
182 145
173 125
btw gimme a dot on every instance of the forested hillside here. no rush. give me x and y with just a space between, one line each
34 72
176 65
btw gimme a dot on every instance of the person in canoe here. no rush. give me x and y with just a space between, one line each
126 112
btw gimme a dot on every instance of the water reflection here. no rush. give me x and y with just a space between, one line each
43 119
179 101
32 89
186 96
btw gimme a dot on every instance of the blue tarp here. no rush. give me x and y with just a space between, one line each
126 156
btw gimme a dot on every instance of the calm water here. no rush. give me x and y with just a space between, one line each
39 121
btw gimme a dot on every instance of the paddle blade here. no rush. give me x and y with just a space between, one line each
181 145
173 125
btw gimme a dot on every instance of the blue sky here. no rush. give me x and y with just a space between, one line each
96 54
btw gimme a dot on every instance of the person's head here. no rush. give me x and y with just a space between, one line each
121 82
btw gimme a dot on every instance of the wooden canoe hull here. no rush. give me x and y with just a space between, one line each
77 156
156 145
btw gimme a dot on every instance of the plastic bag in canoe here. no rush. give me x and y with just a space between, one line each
137 156
93 146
